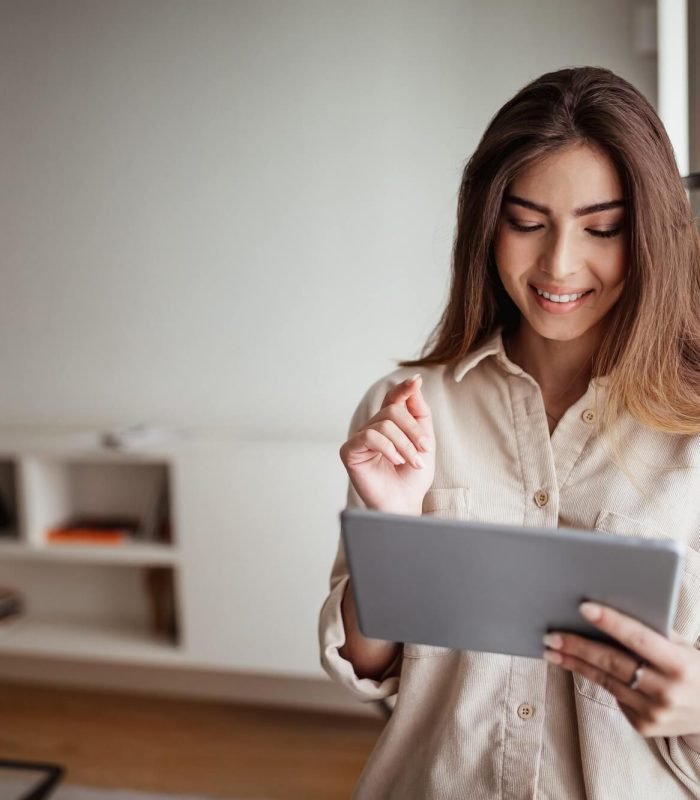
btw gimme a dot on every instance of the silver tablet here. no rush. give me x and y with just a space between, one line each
499 588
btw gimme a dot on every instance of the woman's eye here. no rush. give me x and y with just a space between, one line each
605 234
516 226
600 234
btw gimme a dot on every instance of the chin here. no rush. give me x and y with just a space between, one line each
559 330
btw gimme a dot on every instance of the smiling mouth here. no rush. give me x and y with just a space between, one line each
561 299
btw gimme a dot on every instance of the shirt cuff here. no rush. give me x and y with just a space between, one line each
332 637
685 757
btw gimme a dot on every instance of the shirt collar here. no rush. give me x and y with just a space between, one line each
491 346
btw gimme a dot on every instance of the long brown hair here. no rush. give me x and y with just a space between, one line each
650 353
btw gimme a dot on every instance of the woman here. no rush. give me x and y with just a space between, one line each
572 334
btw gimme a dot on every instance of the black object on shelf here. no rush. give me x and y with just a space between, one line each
6 519
51 775
692 181
10 603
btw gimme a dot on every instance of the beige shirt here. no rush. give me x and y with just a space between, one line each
482 725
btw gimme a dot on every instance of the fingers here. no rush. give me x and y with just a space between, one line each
398 431
677 638
408 425
634 700
601 662
378 441
410 412
402 443
405 392
416 404
365 445
637 637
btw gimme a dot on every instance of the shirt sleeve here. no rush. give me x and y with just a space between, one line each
331 630
683 759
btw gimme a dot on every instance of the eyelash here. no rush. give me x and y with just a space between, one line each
598 234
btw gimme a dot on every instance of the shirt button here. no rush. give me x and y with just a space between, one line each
588 415
526 711
541 498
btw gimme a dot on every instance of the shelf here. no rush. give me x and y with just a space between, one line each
134 553
60 490
55 636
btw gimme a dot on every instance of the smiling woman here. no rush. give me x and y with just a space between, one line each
555 257
563 262
571 325
575 188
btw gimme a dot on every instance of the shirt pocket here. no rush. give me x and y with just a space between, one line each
450 503
687 619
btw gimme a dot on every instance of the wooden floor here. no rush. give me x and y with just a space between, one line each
126 741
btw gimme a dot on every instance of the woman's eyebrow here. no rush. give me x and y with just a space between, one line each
578 212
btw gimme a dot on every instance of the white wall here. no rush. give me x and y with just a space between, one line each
239 213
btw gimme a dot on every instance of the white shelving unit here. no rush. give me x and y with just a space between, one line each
254 530
96 601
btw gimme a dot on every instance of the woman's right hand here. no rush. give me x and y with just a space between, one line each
383 458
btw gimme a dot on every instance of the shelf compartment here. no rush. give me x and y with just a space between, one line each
122 612
60 490
33 635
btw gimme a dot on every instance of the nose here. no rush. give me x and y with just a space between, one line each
559 257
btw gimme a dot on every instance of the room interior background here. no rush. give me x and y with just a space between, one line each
230 217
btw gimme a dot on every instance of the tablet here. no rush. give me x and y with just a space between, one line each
500 588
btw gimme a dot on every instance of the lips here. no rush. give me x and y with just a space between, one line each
557 308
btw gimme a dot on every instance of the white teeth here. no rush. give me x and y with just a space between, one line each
559 298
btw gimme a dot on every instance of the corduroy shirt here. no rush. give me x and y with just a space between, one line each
483 725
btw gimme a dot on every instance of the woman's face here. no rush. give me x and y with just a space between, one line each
561 231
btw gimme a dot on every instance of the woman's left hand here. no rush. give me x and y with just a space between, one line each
666 700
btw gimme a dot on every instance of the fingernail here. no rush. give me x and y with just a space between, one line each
400 459
424 444
553 640
554 658
590 611
415 377
418 462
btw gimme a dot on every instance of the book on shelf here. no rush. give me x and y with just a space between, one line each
94 530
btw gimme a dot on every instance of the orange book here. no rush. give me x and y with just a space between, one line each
93 529
86 536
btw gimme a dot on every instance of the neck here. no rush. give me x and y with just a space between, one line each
562 369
